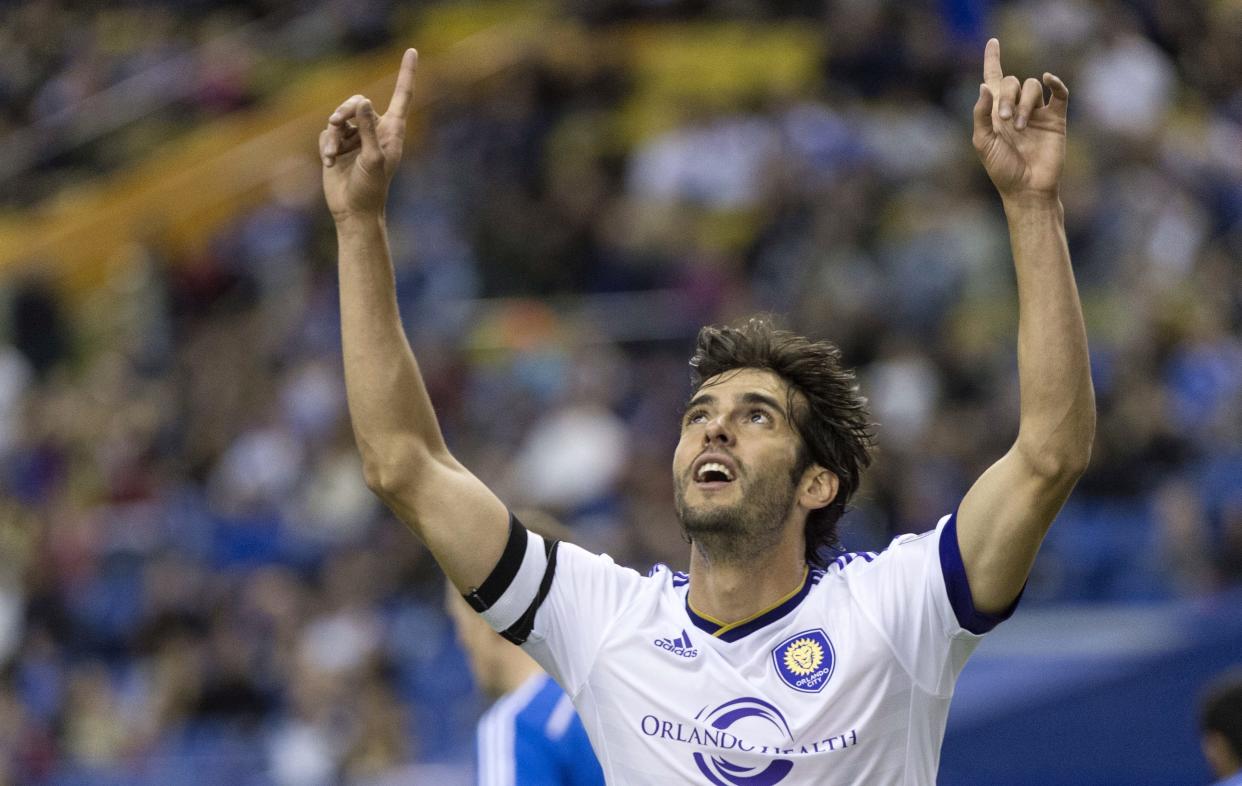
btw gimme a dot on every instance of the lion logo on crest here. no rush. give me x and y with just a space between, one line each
805 661
803 656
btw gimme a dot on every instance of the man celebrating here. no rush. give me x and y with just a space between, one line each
765 664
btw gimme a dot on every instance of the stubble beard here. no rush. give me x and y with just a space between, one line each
736 533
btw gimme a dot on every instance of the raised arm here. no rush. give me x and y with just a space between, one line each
404 456
1003 518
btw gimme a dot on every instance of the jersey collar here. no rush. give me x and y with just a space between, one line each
732 631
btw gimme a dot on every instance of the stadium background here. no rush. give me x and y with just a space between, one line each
195 587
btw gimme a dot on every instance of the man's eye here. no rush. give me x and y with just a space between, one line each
698 416
759 416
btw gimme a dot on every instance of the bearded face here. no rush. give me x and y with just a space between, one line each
737 466
750 522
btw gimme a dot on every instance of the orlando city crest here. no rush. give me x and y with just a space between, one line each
805 660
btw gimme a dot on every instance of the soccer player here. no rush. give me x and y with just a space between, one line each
531 736
1220 724
763 665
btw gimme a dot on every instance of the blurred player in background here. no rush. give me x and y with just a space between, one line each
783 665
1220 724
531 735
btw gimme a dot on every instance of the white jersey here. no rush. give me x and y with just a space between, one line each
847 680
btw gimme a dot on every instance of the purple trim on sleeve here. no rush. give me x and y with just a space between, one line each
958 587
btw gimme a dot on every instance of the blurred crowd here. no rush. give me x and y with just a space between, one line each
195 586
88 86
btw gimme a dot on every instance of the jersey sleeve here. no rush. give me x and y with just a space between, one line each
916 592
556 600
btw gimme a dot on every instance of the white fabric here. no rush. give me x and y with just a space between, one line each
896 651
560 718
517 597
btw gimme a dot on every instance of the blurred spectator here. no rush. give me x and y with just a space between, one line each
87 87
531 734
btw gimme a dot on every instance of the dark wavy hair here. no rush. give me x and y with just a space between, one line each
830 416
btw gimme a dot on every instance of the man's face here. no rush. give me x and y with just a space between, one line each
733 468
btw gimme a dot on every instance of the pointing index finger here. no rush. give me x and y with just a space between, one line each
992 73
403 94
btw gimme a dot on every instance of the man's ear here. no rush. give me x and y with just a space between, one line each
819 487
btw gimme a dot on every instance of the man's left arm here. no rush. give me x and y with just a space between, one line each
1003 518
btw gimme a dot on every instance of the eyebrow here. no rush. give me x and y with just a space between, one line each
699 400
750 397
766 400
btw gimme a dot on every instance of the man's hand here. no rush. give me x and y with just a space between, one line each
1019 138
360 150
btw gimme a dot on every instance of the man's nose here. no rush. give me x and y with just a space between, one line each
717 431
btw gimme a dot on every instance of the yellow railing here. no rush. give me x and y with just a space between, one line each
179 196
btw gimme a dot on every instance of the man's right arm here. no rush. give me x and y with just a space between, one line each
405 459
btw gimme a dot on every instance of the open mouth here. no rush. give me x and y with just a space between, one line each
712 474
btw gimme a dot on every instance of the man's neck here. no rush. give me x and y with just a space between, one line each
728 592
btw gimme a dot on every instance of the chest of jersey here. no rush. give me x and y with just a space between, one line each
813 692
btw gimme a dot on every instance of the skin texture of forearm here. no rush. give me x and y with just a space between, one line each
405 460
1057 401
393 420
1003 518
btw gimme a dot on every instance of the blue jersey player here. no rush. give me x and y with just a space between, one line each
531 735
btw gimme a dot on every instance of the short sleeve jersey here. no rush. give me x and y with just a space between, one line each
533 737
846 680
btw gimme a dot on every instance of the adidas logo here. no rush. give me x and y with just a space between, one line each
678 646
